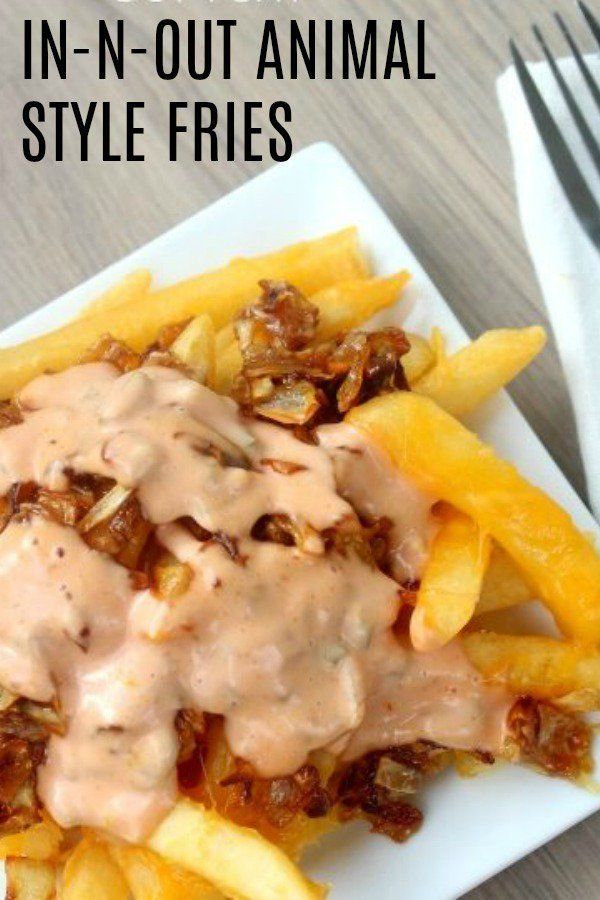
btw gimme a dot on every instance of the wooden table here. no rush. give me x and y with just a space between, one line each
433 152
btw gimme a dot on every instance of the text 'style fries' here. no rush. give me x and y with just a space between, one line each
247 554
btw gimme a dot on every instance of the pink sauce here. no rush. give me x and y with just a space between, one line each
433 696
294 649
374 488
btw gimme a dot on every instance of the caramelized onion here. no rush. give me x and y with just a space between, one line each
285 377
557 741
109 349
24 731
10 414
105 508
290 403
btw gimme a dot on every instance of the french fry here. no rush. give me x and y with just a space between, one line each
238 860
90 872
224 337
149 877
419 359
460 382
348 304
195 347
342 307
437 342
538 666
452 463
311 266
131 289
229 363
503 584
451 583
28 879
40 842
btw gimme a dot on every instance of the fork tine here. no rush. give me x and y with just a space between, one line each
591 20
583 66
567 171
582 126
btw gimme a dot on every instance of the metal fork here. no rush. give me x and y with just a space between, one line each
569 174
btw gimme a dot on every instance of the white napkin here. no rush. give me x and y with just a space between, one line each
566 262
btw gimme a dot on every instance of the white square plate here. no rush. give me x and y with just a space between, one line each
473 828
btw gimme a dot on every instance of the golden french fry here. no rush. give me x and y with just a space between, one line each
538 666
503 584
28 879
460 382
437 342
195 347
90 872
238 860
452 463
229 363
419 359
451 583
342 307
224 338
131 289
149 877
228 358
348 304
311 266
40 842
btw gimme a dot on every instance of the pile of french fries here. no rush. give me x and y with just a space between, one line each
501 542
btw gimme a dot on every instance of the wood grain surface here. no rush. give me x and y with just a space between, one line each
433 152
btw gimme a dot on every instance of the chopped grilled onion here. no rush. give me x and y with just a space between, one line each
22 749
109 349
396 777
549 738
281 318
233 446
47 715
66 507
171 578
292 403
191 729
287 377
10 414
282 529
124 534
106 507
262 388
282 466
